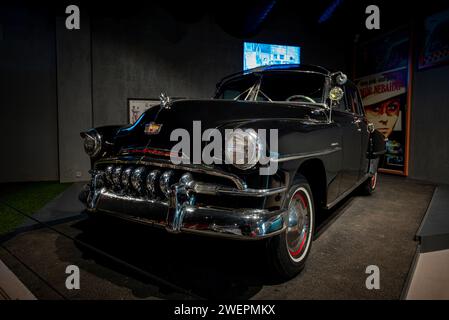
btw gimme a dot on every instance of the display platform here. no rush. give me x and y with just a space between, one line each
429 275
119 261
433 233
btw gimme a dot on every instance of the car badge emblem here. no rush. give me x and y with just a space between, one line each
152 128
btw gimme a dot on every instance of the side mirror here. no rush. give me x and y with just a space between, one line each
339 77
336 94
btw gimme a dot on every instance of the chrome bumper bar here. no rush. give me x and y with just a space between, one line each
178 212
174 216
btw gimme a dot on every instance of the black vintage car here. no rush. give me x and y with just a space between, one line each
325 149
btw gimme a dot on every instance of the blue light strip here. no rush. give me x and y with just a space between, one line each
329 11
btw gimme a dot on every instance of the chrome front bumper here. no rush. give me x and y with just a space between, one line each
179 214
241 224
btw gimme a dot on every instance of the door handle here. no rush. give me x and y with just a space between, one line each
357 123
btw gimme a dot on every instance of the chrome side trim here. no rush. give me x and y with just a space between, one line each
379 153
347 192
213 189
305 155
240 184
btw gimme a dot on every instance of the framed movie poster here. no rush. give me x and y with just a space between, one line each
138 106
435 41
384 97
384 79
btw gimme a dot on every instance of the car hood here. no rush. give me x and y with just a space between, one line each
212 113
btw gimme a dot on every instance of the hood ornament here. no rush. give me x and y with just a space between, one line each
165 100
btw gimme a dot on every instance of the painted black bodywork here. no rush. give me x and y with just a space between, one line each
334 149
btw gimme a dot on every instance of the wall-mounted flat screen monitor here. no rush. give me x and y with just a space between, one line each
262 54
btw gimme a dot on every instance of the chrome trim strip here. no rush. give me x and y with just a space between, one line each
130 198
305 155
240 184
335 144
379 153
208 188
347 192
205 188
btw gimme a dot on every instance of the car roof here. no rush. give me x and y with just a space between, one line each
279 67
290 67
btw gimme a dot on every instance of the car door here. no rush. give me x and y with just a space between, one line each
361 122
351 124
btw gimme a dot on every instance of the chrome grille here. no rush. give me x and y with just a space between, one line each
147 181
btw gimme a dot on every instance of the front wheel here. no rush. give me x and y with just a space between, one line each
289 250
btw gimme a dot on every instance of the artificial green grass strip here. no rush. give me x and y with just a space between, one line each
26 197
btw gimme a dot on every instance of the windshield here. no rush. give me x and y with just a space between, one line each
275 86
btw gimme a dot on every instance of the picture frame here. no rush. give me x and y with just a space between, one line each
392 56
434 43
137 106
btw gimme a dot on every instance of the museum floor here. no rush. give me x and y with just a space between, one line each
118 260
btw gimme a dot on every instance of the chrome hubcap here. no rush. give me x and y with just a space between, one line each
299 223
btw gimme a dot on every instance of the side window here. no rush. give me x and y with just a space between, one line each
360 104
353 99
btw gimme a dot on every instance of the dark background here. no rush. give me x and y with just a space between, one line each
56 82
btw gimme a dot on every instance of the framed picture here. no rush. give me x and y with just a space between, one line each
384 96
384 77
138 106
435 41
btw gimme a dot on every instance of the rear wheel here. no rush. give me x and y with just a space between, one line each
289 250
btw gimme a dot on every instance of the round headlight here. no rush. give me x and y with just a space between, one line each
92 142
243 149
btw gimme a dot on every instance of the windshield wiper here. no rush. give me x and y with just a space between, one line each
266 97
249 89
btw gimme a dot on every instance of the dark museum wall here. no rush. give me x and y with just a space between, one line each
429 151
74 98
55 82
141 59
28 104
87 76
